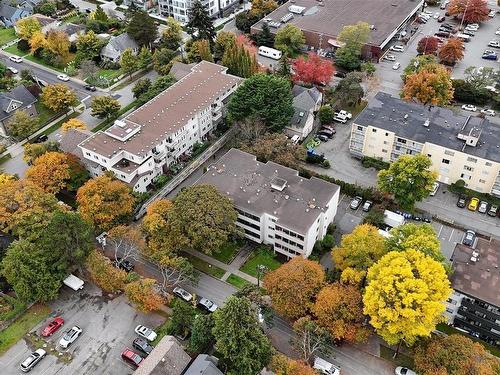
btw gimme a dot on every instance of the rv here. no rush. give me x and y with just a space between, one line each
325 367
270 52
393 219
73 282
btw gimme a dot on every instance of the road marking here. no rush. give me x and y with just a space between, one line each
87 97
451 234
440 229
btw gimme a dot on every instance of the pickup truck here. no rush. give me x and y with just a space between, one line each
343 114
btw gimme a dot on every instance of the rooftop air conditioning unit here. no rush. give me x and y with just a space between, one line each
296 9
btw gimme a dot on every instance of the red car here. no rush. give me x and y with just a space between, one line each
131 357
53 326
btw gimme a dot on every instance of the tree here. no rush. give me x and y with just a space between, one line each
88 46
223 41
128 62
144 58
125 242
408 179
240 61
142 28
244 20
339 309
104 106
108 277
454 355
417 237
313 70
143 296
262 7
58 43
471 10
359 249
310 337
202 218
467 93
5 177
199 50
182 318
264 37
73 123
105 202
282 365
155 227
161 60
265 96
451 51
21 125
37 41
354 38
59 97
477 78
239 337
171 37
200 25
289 39
405 296
50 172
176 270
201 333
78 174
293 285
417 64
89 69
99 15
428 45
141 86
284 69
349 91
325 114
431 85
26 27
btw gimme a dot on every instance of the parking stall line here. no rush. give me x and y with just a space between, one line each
451 234
440 230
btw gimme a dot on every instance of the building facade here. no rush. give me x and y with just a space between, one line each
275 205
460 146
179 9
141 146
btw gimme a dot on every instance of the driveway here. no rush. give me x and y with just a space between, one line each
108 327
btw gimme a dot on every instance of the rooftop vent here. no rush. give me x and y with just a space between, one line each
296 9
427 123
278 184
286 17
473 259
406 116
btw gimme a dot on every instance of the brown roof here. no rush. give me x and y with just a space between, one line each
69 143
479 279
333 15
166 113
167 358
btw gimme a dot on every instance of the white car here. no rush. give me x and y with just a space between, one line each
494 43
146 332
389 57
472 28
16 59
473 25
32 360
488 112
70 336
436 15
491 14
13 70
63 77
396 66
404 371
497 32
185 295
397 48
469 107
207 305
435 188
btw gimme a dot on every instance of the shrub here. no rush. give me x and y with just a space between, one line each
315 159
23 45
325 114
458 187
378 164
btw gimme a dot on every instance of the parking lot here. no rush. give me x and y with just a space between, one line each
108 327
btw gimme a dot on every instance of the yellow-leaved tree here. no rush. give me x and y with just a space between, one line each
155 227
73 123
50 172
405 296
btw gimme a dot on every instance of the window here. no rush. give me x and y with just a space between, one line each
385 142
384 150
270 236
449 153
444 170
472 160
445 161
429 155
386 134
360 128
374 130
401 140
488 164
482 181
465 176
467 168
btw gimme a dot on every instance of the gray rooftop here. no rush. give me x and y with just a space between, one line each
204 365
7 11
179 70
19 94
247 182
407 119
122 42
167 358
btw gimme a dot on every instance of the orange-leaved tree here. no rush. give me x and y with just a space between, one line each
431 85
50 172
282 365
471 10
155 228
73 123
451 51
143 296
108 277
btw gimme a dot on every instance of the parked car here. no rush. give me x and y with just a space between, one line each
491 14
397 48
325 367
142 345
322 138
12 70
404 371
145 332
461 202
488 112
356 202
30 362
493 89
469 107
483 207
63 77
329 128
441 19
435 187
327 133
123 264
494 43
367 206
16 59
396 66
497 32
469 238
90 88
493 210
131 357
53 326
490 56
343 113
181 293
473 204
70 336
389 57
339 74
207 305
442 34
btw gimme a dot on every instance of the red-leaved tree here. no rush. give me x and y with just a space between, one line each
313 70
244 41
428 45
471 10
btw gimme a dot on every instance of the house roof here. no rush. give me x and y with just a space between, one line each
19 94
70 141
7 11
71 28
122 42
167 358
43 20
180 70
204 365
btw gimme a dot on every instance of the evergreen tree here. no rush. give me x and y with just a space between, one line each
142 28
200 25
239 61
265 38
99 15
284 67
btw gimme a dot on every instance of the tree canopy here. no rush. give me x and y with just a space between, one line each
451 51
471 10
354 38
171 36
289 39
428 45
104 106
21 125
50 172
417 237
313 71
200 25
142 28
59 97
155 227
430 85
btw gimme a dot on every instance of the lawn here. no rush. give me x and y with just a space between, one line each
15 51
15 332
58 124
237 281
205 267
6 35
4 158
44 113
449 330
228 251
401 360
10 307
261 256
109 73
41 62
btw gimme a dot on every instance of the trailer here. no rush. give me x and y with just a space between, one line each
270 52
73 282
393 219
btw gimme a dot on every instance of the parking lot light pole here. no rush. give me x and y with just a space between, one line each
260 272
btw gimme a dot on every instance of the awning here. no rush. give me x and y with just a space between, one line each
336 43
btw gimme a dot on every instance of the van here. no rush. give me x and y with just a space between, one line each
325 367
295 139
73 282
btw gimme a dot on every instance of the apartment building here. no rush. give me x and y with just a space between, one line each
275 205
474 306
179 9
141 146
461 146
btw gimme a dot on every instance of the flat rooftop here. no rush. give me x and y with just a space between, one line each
479 279
408 120
330 16
271 188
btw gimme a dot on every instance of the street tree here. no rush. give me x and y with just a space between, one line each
58 43
310 338
141 86
408 179
21 125
200 24
28 26
155 227
430 86
478 78
182 317
349 91
312 71
162 60
104 106
50 172
144 58
59 97
240 61
89 69
428 45
176 270
282 365
198 50
293 285
37 41
354 38
171 36
73 123
202 218
289 39
201 338
142 28
284 69
265 96
143 295
105 202
128 62
109 278
126 242
239 337
88 46
417 237
405 296
451 51
470 10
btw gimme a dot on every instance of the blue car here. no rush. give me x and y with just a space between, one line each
490 57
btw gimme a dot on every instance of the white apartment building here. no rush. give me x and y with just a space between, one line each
275 205
142 145
179 9
461 146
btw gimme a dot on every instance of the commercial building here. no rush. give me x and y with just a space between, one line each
461 146
321 21
275 205
474 306
179 9
141 146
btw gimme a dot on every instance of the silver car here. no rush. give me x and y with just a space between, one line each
185 295
207 305
483 207
70 336
32 360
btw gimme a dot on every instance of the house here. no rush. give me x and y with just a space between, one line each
69 143
204 364
461 146
9 14
305 103
116 45
47 23
26 4
73 31
275 205
142 4
144 144
19 98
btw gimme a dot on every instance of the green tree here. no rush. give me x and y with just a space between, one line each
142 28
417 64
161 60
264 37
182 317
198 50
325 114
128 62
34 150
141 86
349 91
408 179
104 106
144 58
266 97
224 40
200 25
21 125
417 237
99 15
239 337
479 78
284 70
354 38
240 61
310 337
88 46
289 39
59 97
201 333
171 37
27 27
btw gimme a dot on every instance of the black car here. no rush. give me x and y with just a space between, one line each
469 238
90 88
339 74
322 137
142 345
326 133
124 264
461 202
41 138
